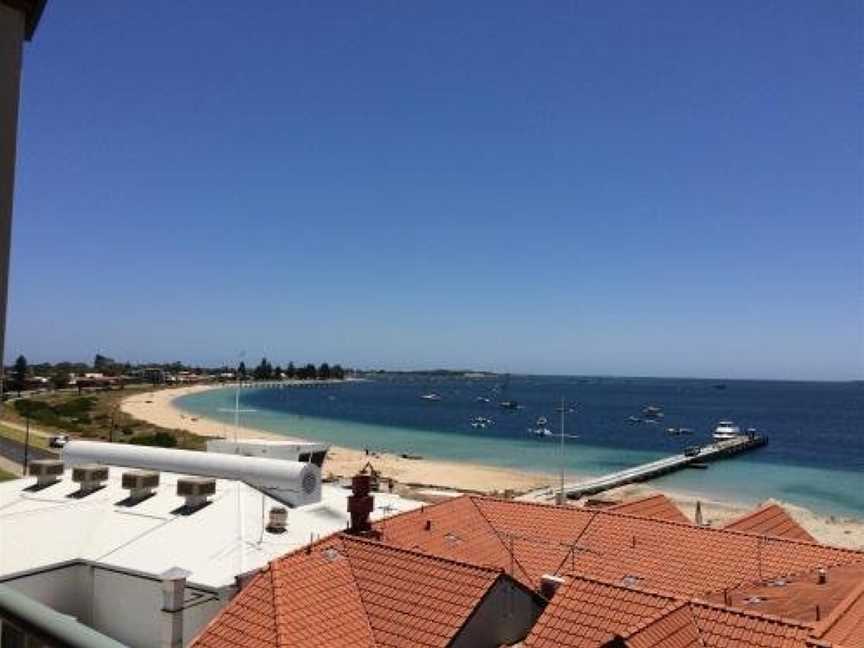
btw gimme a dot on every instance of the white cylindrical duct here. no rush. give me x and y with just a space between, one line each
292 482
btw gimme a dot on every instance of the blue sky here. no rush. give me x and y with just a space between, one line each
668 188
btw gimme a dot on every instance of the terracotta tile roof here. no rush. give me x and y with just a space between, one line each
658 506
249 621
845 625
346 591
795 596
676 629
678 558
586 613
590 613
771 520
693 624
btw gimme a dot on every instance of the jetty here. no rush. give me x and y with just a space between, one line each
644 472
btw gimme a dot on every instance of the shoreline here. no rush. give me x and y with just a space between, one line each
159 408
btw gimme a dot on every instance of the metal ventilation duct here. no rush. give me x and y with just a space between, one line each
290 482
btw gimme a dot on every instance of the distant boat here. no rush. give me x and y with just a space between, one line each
633 419
509 404
541 432
481 422
652 412
726 430
685 431
541 422
673 431
432 396
720 386
483 399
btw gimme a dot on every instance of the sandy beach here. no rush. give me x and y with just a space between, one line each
159 409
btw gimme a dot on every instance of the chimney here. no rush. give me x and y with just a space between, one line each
173 594
360 505
90 477
46 471
822 575
278 519
140 483
549 584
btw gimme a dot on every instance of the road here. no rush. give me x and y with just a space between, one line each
14 451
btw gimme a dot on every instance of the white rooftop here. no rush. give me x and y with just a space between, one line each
45 527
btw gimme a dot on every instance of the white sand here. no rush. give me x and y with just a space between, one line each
158 408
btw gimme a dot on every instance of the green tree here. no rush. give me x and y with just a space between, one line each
324 371
277 372
102 363
337 372
264 370
19 373
60 378
291 372
241 370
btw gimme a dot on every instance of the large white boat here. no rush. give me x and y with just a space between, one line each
726 430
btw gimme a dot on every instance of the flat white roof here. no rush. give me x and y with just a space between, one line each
45 527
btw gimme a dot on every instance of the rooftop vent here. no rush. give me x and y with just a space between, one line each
278 519
140 483
46 471
196 490
549 584
90 477
631 580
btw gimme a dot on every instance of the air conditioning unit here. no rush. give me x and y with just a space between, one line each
46 471
196 490
91 477
140 483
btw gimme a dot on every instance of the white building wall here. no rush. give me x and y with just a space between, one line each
124 606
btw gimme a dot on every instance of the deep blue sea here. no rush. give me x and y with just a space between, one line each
815 457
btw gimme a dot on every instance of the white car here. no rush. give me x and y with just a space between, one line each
58 440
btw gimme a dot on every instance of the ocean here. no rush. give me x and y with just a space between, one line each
815 457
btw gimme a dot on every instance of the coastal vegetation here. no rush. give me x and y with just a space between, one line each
96 416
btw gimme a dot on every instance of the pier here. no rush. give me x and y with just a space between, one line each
644 472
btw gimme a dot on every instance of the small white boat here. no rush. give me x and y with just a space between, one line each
432 396
541 432
726 430
483 399
541 422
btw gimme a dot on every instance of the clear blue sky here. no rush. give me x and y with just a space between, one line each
665 188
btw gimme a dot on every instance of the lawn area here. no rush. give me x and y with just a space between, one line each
19 435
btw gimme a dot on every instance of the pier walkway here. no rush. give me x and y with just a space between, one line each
644 472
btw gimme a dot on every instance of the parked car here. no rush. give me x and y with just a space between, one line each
58 440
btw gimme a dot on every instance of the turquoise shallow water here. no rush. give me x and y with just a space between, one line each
814 458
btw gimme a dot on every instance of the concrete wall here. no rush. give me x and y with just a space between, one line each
124 606
505 616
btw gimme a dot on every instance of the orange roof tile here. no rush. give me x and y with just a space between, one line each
678 558
676 629
249 621
346 591
845 625
771 520
658 506
587 613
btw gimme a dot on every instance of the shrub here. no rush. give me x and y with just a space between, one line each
161 439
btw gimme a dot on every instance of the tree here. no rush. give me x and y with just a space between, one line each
60 378
264 371
241 370
324 371
102 363
309 372
19 373
291 372
337 372
277 372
